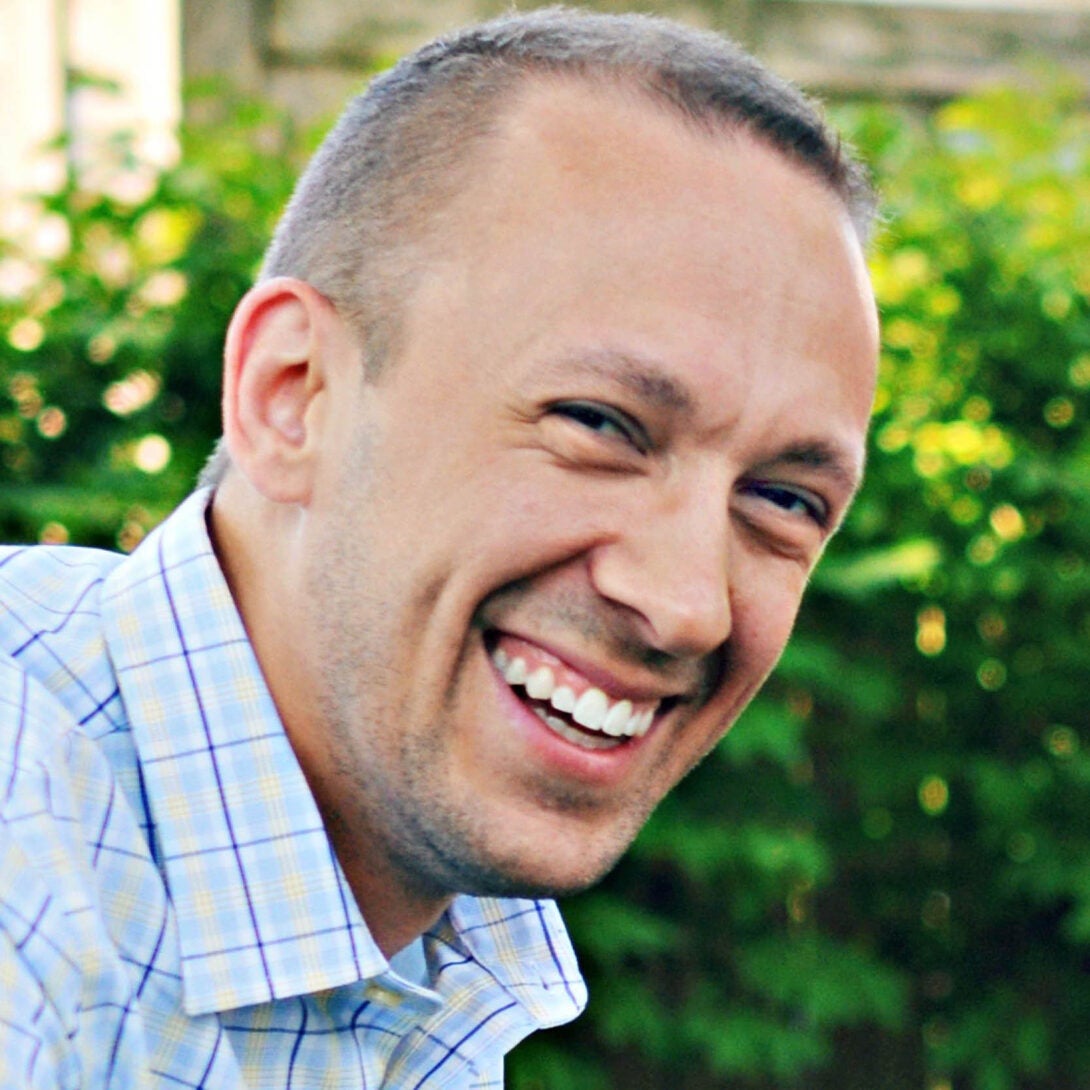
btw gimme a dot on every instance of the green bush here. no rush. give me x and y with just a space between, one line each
114 300
882 878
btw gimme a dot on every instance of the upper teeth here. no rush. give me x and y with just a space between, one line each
593 709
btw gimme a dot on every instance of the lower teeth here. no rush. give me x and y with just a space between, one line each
574 734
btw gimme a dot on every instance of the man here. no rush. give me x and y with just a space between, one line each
553 388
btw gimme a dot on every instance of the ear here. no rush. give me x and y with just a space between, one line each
283 343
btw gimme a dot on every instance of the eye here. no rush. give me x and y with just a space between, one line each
604 421
798 502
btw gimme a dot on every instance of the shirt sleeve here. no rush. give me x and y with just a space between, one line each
34 1042
65 997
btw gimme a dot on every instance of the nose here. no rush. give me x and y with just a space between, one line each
670 567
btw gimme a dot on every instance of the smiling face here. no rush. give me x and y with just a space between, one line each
557 547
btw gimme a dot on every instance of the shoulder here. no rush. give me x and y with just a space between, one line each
81 901
55 782
44 588
51 623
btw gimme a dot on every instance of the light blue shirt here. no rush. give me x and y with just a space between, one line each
171 910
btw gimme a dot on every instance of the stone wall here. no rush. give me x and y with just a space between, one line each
312 54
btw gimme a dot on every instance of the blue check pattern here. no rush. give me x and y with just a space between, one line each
171 911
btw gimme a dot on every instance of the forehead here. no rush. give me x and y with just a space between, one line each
598 219
579 153
591 134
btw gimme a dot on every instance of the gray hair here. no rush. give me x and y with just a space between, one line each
402 150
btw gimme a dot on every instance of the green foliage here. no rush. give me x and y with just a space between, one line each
115 293
881 878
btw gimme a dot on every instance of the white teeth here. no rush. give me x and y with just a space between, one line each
541 683
514 673
579 737
616 720
590 709
563 698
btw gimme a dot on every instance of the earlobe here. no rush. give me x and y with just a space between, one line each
275 374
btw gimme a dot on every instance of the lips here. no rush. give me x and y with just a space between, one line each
568 703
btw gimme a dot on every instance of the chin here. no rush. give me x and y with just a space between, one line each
536 886
507 847
535 875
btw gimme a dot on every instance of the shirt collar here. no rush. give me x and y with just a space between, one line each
264 910
526 948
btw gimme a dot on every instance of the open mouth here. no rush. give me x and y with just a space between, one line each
569 706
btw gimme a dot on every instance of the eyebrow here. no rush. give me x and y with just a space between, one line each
828 458
642 375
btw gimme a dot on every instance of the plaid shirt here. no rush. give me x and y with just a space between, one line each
171 911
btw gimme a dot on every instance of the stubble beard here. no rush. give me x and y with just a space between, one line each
439 843
389 795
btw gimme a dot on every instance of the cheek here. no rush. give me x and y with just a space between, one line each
533 516
762 617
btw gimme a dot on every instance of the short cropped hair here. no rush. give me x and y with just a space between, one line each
403 149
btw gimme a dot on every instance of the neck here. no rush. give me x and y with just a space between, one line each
394 911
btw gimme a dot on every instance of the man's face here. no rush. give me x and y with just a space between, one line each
559 544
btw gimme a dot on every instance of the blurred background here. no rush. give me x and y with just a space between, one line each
881 879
